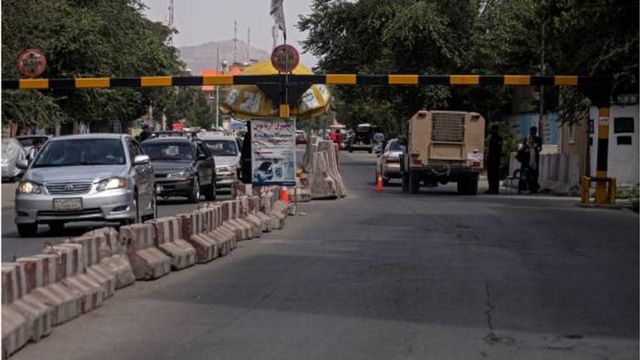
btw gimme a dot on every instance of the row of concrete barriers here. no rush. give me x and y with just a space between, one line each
78 275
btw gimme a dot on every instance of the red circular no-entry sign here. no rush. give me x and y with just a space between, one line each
285 58
32 63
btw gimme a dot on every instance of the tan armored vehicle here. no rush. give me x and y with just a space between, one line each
442 147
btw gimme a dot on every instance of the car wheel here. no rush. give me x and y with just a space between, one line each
210 193
27 230
414 183
194 196
57 227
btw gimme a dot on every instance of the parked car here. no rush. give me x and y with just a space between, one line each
301 137
227 155
92 177
184 166
362 138
12 152
27 140
389 163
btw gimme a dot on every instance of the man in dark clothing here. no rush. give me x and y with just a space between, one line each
533 144
145 134
493 160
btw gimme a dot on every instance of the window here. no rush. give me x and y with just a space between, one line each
624 140
623 125
168 151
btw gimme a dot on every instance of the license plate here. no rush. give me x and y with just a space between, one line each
67 204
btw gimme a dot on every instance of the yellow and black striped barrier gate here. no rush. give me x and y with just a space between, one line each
329 79
598 89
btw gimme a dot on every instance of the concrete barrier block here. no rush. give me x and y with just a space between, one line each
14 282
39 316
40 270
15 331
66 304
244 228
256 224
168 240
192 226
233 228
105 278
147 261
229 237
266 221
91 292
15 296
120 267
207 245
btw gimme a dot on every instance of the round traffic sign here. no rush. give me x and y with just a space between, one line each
285 58
32 63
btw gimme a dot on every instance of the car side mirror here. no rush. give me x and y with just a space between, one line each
141 160
22 164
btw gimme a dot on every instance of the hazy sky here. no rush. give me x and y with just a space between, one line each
200 21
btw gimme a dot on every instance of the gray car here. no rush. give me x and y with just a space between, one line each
94 177
184 167
227 154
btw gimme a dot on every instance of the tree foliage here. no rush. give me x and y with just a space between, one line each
84 38
466 36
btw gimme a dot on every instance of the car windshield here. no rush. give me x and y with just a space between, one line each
222 147
395 146
81 152
168 150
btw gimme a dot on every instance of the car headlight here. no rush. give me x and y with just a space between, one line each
179 174
112 183
222 169
29 187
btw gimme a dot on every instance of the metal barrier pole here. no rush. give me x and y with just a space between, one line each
603 154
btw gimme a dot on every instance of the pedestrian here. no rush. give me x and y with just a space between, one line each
533 144
493 160
36 145
145 134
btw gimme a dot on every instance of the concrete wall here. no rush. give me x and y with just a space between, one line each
622 159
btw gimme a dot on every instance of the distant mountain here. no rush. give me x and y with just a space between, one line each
203 56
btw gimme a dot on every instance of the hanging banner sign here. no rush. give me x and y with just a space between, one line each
272 152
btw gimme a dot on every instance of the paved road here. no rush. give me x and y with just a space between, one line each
14 245
389 276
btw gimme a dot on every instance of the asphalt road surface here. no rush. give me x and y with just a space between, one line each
389 276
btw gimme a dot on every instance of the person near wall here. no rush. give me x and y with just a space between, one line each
493 160
533 144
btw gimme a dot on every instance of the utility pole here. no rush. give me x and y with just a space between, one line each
170 22
217 90
235 42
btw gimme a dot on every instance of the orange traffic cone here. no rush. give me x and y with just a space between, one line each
284 194
379 185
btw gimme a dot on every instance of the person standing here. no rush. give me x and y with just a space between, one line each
533 144
145 134
494 160
36 145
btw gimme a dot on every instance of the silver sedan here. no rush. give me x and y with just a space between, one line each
388 164
96 177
